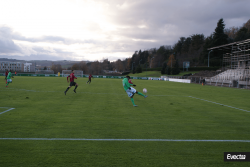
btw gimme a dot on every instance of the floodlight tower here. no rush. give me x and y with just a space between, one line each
140 61
151 61
132 66
208 57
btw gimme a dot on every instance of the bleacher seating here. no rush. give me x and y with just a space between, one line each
233 74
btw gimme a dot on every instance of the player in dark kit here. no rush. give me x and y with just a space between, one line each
6 74
72 83
90 76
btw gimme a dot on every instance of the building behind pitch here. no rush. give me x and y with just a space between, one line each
16 66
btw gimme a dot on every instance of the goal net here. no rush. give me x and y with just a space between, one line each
78 73
44 72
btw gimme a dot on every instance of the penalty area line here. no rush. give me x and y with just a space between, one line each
6 110
161 140
218 103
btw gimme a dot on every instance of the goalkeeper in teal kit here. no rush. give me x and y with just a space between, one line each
130 91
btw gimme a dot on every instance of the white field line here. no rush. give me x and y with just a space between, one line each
163 140
218 103
6 110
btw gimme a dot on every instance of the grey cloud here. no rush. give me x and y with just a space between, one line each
165 20
8 33
42 56
38 57
188 17
41 50
162 11
51 39
21 51
7 45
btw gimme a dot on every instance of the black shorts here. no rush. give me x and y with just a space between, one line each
72 84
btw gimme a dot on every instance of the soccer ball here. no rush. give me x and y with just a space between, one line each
145 90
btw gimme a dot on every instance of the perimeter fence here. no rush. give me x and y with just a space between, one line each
231 83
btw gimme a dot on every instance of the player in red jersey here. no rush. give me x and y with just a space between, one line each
90 76
129 81
6 74
72 82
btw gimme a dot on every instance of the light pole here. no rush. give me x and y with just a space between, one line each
151 61
171 59
132 67
140 61
140 65
208 57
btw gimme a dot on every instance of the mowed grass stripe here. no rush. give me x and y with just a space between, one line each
11 89
142 140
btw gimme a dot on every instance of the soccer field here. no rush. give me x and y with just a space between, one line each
178 124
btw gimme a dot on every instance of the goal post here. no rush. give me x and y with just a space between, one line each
78 73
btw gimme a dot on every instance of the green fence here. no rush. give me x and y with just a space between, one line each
85 76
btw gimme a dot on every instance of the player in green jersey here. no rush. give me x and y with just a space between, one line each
130 90
9 79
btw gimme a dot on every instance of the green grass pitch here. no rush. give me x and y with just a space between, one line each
47 119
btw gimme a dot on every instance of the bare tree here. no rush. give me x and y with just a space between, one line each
231 32
128 65
95 68
247 25
119 65
75 67
171 61
83 66
56 68
105 64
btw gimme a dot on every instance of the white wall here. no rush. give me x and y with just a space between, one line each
178 80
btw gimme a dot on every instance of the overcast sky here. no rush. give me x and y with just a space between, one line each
113 29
